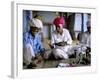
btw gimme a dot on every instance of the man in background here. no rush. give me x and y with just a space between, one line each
86 36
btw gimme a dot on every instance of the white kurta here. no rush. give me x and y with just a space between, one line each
28 53
86 39
61 51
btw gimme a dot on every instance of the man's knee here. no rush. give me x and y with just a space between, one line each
60 54
28 53
29 50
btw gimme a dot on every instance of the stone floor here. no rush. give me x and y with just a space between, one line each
73 62
52 63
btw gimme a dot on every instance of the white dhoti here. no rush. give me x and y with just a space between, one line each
27 54
61 52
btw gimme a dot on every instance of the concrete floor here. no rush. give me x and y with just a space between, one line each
53 63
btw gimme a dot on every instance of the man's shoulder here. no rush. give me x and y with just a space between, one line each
65 30
26 33
86 32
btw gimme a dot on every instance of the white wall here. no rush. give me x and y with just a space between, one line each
5 40
48 17
78 21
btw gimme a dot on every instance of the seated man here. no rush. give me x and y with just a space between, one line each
32 43
36 18
85 44
86 36
60 39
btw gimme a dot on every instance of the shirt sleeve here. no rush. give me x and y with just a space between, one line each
25 39
68 38
39 44
52 39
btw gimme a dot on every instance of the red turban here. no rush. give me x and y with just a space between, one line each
59 20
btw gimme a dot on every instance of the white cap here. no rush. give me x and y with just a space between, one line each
37 23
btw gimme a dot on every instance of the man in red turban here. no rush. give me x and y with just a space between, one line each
60 39
59 20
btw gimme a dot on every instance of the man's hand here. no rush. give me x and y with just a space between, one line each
51 46
33 58
61 44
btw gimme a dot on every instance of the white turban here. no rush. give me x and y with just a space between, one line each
37 23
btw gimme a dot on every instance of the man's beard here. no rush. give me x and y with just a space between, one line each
33 34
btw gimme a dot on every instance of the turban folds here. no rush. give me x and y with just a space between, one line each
37 23
59 21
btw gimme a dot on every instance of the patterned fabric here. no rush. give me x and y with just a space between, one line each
34 41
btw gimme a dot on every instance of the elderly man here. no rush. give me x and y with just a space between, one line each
32 42
38 18
86 37
61 39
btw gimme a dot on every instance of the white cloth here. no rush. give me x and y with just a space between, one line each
56 37
27 54
61 51
86 39
36 22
